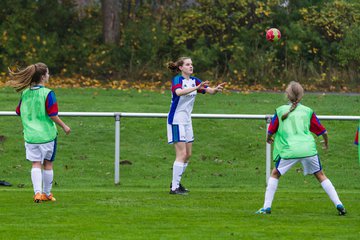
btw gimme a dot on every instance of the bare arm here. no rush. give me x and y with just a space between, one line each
325 141
59 122
215 90
185 91
269 138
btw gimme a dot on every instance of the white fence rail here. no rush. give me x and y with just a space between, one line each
118 115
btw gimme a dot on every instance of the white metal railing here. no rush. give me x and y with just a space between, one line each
118 115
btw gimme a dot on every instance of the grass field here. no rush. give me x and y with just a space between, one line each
226 175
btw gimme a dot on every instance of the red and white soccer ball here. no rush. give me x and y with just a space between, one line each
273 35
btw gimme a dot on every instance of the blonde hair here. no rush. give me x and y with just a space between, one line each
294 92
24 78
174 66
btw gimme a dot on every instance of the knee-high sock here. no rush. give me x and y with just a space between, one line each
331 192
270 192
36 178
178 170
48 176
185 166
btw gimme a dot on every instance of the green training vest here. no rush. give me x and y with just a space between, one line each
38 126
293 138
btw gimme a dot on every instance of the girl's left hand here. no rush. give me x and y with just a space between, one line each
325 146
220 87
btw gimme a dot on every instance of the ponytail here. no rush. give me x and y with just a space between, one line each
174 66
22 79
292 108
294 92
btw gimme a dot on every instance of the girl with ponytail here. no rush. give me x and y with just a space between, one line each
184 89
38 110
292 126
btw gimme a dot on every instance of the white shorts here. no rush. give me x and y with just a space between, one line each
40 152
180 133
311 164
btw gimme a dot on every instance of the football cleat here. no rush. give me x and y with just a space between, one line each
50 197
264 211
178 191
4 183
181 187
341 209
37 198
184 189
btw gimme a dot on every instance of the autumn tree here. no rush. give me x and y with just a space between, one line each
111 22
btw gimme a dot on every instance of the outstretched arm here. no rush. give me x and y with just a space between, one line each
185 91
215 90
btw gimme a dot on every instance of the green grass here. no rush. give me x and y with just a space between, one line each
226 175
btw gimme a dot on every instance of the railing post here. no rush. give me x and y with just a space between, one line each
117 148
268 150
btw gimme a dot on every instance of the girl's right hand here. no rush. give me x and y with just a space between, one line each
269 139
202 85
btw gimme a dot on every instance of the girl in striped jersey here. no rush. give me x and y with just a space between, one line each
38 110
184 88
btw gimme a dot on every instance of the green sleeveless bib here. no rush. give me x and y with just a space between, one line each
293 138
38 126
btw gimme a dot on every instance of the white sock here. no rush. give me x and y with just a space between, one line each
36 178
270 192
185 166
331 192
178 169
48 176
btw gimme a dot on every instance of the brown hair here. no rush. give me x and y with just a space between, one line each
174 66
294 92
24 78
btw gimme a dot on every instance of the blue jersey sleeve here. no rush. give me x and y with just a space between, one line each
176 83
51 104
202 90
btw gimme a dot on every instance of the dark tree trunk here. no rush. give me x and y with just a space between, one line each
111 21
81 6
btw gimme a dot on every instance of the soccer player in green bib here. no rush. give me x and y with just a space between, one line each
38 110
293 125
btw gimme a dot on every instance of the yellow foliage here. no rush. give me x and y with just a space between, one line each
5 36
233 84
